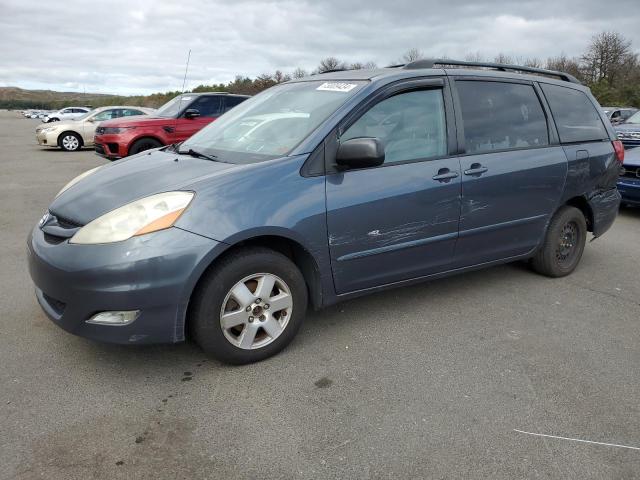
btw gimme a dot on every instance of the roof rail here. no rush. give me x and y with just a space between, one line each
498 66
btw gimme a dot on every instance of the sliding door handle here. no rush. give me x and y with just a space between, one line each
475 169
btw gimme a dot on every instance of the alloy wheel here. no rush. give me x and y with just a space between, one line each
256 311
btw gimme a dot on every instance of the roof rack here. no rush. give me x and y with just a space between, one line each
503 67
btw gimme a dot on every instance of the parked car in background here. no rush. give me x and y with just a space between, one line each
383 178
629 131
629 181
69 113
175 121
71 135
618 114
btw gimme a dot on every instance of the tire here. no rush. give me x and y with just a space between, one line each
255 328
144 144
563 244
70 141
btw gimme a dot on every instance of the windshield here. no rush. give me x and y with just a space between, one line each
173 107
272 123
635 118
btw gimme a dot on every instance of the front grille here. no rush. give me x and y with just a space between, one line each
99 149
630 172
113 148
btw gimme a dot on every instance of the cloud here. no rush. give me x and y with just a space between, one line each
125 46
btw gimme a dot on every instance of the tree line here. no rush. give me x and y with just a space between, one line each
609 66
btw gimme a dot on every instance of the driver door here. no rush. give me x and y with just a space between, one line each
397 221
209 107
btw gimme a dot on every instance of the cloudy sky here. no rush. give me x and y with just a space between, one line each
131 47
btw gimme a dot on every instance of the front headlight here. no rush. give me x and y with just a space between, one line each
77 179
48 129
146 215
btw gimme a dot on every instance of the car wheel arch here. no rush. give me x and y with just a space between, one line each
66 132
144 136
582 204
298 253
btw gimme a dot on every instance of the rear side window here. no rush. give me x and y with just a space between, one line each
576 116
501 116
230 102
411 125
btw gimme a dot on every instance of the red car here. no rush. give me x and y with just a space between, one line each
174 122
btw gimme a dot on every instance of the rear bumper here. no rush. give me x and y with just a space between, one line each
153 274
605 206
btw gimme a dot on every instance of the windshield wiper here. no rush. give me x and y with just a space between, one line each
193 153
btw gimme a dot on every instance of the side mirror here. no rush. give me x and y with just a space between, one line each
91 119
191 113
360 153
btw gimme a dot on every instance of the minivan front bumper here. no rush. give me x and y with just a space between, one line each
153 274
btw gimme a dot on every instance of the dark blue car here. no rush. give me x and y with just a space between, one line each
323 189
629 181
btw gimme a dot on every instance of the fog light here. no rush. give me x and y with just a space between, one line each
114 318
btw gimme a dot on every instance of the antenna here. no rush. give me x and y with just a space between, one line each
186 69
184 82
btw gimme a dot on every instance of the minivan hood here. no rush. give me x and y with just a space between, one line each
627 127
124 181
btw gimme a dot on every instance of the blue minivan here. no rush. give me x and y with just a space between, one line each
326 188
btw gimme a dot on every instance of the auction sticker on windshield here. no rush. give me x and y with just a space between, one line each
337 87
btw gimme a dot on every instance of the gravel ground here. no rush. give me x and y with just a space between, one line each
430 381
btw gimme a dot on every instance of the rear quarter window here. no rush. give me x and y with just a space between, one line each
575 115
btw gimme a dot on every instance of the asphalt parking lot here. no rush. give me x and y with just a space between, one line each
430 381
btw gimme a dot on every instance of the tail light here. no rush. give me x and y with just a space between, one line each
619 150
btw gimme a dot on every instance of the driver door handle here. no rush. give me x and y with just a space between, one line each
444 175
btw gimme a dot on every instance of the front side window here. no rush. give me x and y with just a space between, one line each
411 126
501 116
174 106
272 123
576 117
207 106
128 112
106 115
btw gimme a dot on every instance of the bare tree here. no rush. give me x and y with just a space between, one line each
299 73
474 57
562 63
608 55
503 58
330 63
412 55
280 77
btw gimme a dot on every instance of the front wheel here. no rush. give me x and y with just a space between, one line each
144 144
70 142
249 307
563 244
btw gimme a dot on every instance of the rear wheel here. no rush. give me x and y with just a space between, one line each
563 244
249 307
144 144
70 141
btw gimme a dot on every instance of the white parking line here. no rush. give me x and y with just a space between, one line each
577 440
